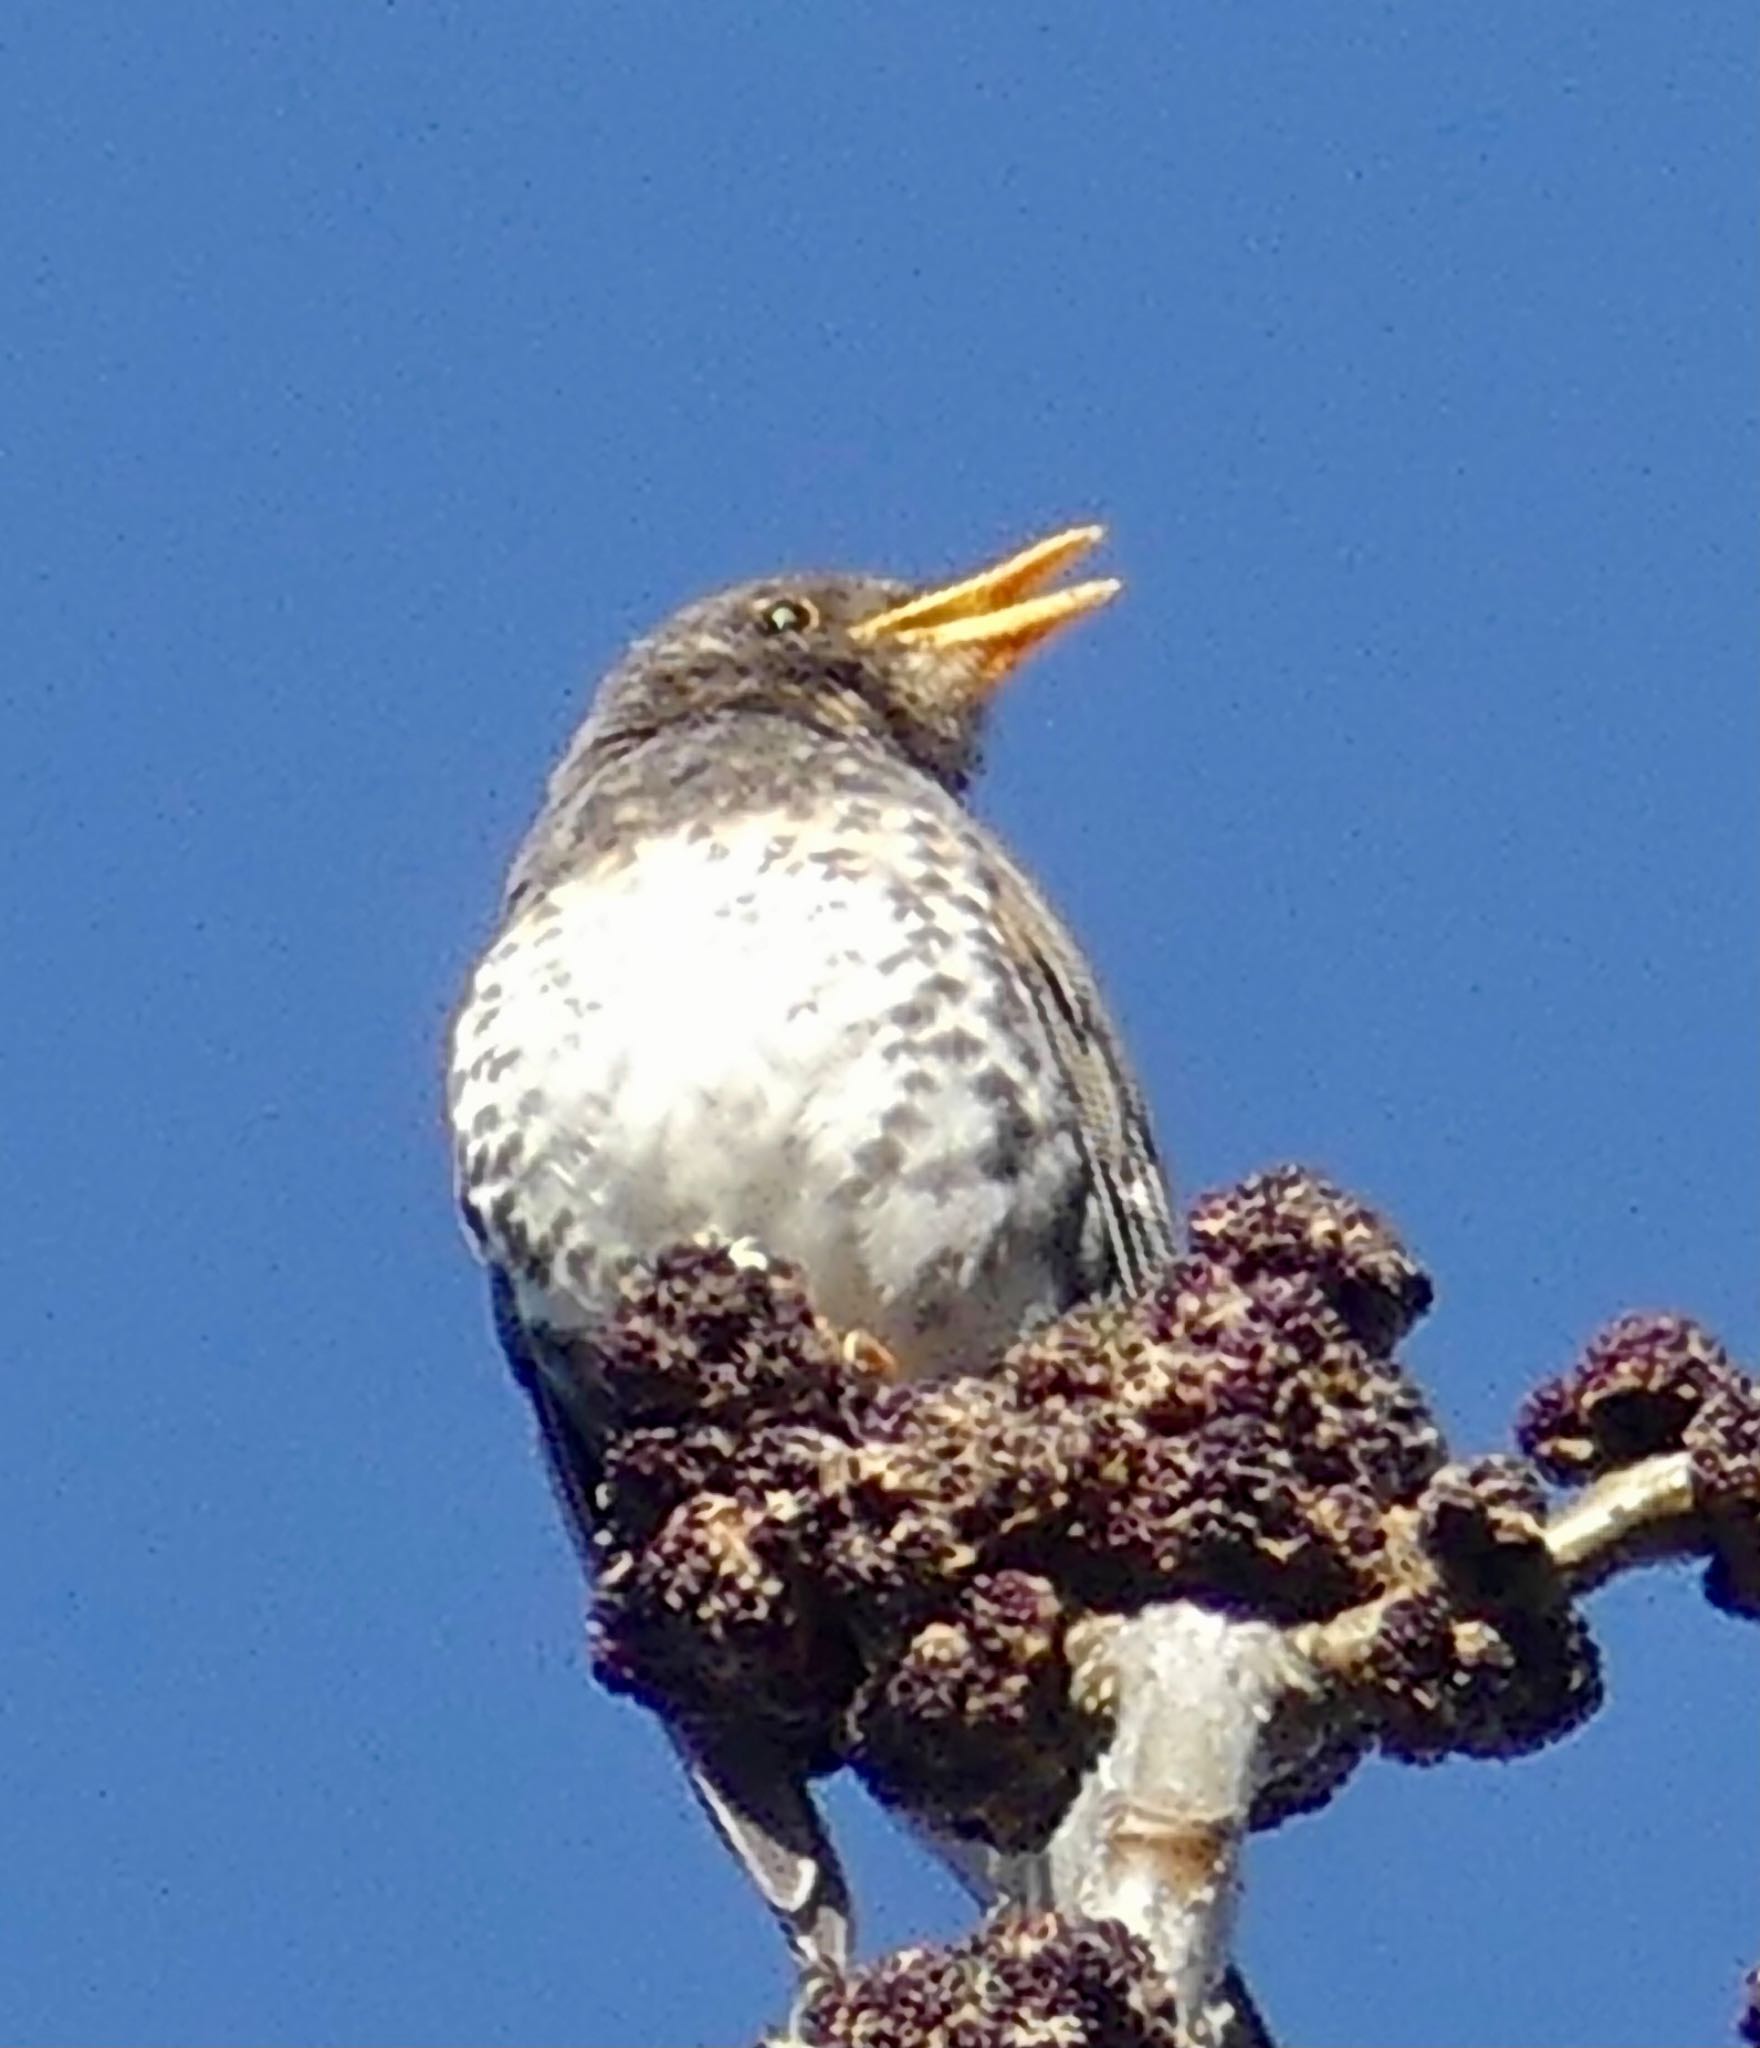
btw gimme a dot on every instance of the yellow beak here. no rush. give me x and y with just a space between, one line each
996 612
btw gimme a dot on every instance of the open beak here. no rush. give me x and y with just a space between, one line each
997 613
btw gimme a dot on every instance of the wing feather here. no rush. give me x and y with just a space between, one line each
1127 1192
758 1803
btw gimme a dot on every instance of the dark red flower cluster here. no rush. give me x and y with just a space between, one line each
1652 1384
883 1574
1021 1978
1478 1650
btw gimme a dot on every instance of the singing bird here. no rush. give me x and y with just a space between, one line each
762 974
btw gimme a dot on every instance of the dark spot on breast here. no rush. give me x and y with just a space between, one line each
904 1120
1005 1006
531 1103
485 1120
912 1015
878 1158
938 1178
1005 1155
958 1046
946 988
841 863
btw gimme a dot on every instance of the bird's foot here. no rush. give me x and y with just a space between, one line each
868 1355
745 1252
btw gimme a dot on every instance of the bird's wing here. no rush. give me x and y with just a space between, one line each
757 1801
761 1808
1127 1188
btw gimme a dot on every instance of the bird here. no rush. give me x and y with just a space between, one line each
761 973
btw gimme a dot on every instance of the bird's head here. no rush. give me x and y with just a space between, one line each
848 654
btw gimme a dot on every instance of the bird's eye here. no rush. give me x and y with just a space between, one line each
788 615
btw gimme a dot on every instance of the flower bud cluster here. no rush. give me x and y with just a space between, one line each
883 1574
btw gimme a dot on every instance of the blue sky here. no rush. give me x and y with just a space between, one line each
370 373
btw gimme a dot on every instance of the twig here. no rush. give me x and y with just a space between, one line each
1642 1514
1637 1515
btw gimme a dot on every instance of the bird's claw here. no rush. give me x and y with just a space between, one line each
868 1355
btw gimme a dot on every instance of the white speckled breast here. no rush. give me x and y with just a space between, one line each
761 1032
